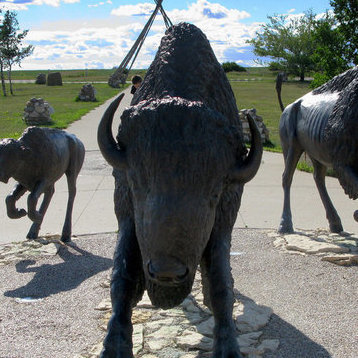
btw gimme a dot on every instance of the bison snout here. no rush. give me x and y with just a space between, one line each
169 272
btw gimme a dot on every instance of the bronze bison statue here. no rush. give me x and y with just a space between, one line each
180 168
36 161
324 124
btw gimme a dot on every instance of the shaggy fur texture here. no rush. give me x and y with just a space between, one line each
190 72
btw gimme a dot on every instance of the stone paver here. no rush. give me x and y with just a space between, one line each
46 245
187 331
340 249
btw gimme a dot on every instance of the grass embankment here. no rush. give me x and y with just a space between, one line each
61 98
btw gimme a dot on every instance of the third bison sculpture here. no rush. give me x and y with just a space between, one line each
324 124
180 167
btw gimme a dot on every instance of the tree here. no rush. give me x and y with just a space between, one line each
288 41
11 49
346 12
232 66
330 55
2 65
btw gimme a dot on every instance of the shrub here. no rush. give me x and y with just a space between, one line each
319 79
233 66
276 66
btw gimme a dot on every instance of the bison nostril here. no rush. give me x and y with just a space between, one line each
166 273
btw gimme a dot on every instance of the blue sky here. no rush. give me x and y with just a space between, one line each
99 33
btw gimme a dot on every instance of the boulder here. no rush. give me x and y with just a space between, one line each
87 93
41 79
37 112
259 121
54 79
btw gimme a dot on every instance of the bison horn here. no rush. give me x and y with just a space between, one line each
246 171
111 152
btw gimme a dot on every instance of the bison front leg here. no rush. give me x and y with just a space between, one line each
127 288
32 200
11 199
35 227
218 283
291 155
67 226
74 168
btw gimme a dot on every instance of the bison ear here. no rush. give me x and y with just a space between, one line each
247 170
108 146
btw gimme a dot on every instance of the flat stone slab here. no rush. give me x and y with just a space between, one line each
308 245
16 251
187 330
340 249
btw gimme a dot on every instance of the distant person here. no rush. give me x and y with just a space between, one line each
136 82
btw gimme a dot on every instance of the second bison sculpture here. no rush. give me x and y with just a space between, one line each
324 124
180 166
36 161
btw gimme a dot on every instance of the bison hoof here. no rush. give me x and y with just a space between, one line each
118 354
227 352
355 215
336 228
285 229
17 214
66 238
32 235
21 213
226 346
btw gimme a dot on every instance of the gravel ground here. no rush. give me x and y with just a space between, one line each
314 302
64 321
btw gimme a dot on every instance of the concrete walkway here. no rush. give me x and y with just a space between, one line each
93 210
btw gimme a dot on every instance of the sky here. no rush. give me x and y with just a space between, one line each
78 34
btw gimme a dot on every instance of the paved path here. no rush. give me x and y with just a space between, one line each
93 210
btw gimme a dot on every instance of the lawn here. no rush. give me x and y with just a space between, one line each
262 96
254 88
61 98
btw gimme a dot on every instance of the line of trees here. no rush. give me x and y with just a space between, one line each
325 45
12 50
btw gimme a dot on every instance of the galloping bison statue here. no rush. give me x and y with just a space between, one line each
180 166
36 161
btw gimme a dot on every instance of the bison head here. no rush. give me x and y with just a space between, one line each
10 154
185 166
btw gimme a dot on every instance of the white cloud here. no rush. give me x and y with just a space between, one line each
101 3
142 9
54 3
13 5
107 41
9 5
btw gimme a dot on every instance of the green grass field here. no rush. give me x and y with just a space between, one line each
253 89
61 98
